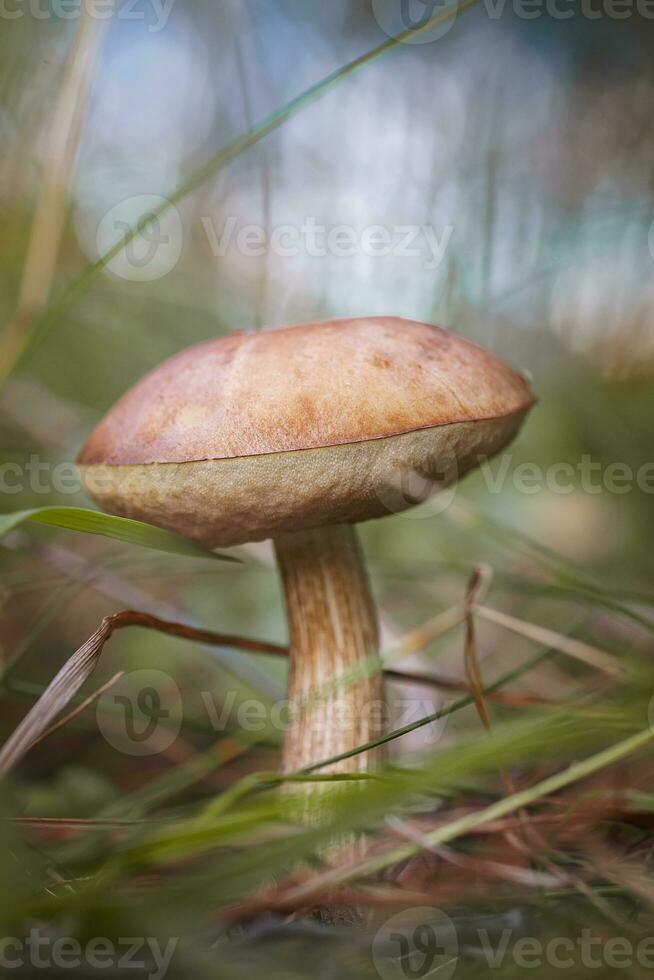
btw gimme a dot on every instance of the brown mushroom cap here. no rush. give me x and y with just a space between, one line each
250 435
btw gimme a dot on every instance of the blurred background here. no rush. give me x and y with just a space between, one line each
510 157
497 179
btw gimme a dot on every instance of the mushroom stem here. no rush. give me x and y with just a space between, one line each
335 686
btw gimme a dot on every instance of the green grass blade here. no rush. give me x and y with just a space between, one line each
216 163
507 805
463 702
118 528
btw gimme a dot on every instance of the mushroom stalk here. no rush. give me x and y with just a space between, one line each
335 687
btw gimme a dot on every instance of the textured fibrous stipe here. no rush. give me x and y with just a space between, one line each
335 688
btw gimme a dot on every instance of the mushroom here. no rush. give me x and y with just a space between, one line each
297 434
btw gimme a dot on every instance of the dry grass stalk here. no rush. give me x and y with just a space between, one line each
83 662
58 171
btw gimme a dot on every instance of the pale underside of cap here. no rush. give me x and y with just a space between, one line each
254 435
232 501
